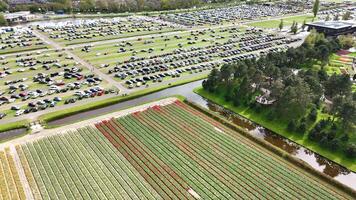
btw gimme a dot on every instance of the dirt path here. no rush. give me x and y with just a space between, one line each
20 170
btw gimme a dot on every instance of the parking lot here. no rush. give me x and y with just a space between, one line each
90 30
143 62
17 39
35 81
117 57
228 15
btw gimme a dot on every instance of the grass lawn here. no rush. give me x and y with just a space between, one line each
286 21
23 49
127 35
280 128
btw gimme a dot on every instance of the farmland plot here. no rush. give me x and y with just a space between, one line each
10 184
163 152
182 150
82 165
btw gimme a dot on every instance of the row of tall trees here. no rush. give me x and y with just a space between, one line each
105 5
298 92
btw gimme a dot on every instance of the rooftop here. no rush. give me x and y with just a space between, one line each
332 24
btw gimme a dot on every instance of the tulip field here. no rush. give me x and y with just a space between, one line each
163 152
10 185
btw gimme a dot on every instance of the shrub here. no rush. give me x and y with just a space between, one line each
334 144
302 127
324 141
313 115
351 151
292 125
344 137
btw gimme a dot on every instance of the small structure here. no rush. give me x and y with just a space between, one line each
19 17
333 28
264 98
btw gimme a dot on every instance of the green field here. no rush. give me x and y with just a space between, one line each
281 128
164 152
286 21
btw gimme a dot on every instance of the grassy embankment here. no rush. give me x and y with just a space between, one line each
12 126
280 127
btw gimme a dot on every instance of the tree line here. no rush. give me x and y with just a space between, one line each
300 96
105 6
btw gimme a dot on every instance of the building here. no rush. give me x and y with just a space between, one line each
333 28
19 17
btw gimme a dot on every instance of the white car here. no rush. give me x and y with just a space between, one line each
19 112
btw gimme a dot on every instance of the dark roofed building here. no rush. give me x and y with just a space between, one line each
332 28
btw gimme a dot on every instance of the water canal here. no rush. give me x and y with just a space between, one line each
317 161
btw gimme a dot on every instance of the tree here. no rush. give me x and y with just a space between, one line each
87 5
302 128
140 4
281 25
351 150
3 6
347 113
336 17
323 53
346 15
316 7
346 41
294 100
313 115
313 38
294 27
338 85
292 125
102 5
3 21
304 24
212 82
226 73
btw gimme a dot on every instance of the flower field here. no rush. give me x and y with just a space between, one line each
10 185
177 149
164 152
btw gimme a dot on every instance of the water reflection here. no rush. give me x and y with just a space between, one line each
315 160
12 133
